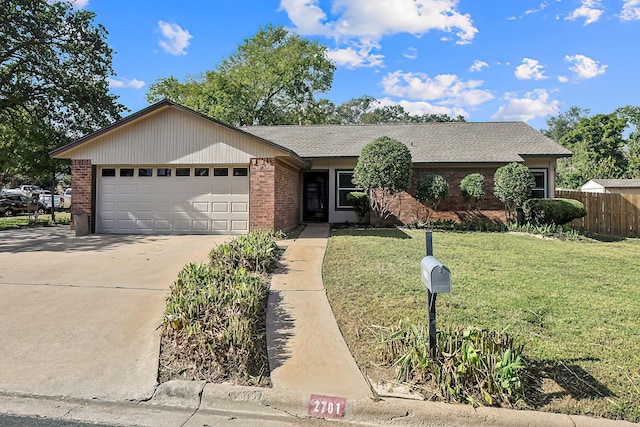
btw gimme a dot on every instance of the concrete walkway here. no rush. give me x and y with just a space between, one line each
306 350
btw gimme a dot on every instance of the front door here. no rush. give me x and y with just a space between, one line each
315 197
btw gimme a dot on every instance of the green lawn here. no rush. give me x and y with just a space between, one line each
21 221
576 304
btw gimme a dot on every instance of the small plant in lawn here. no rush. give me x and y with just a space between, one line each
471 365
431 189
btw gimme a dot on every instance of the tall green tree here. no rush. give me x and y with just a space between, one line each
559 125
632 115
597 144
273 78
54 66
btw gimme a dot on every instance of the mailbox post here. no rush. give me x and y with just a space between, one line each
437 279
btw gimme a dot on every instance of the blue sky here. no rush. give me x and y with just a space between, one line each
487 60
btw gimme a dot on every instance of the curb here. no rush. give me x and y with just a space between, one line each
386 410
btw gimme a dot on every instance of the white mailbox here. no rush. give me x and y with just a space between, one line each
435 276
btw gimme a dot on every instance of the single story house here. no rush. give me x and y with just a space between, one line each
169 169
618 186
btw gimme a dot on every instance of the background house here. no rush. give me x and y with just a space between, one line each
169 169
618 186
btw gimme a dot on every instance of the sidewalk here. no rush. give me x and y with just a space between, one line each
306 350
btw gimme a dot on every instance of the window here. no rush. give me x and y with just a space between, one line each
240 171
220 172
145 172
183 171
108 172
164 172
202 172
540 187
126 172
344 186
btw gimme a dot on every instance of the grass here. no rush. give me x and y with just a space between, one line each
23 221
576 305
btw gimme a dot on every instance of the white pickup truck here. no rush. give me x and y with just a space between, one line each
66 199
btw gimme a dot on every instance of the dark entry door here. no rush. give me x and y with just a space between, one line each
315 197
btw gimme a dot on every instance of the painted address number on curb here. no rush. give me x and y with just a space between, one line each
327 406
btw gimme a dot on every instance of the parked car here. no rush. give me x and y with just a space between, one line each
58 201
12 204
28 189
66 202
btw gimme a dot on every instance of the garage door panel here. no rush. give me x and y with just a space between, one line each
239 207
211 204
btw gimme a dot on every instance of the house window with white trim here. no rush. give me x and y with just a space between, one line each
540 188
344 186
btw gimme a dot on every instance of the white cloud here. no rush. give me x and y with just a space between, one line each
126 83
441 90
423 107
176 40
585 67
358 56
373 19
630 10
590 10
563 79
530 106
77 4
411 53
477 66
530 69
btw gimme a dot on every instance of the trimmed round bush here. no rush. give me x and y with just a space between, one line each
512 186
431 189
473 188
552 211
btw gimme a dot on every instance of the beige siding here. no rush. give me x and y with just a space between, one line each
172 136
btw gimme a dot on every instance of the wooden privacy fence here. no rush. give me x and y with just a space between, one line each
610 214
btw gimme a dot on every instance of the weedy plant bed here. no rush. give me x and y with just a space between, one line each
214 323
574 305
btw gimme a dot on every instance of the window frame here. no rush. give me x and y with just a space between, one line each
166 172
130 171
241 171
109 172
180 172
147 174
545 187
338 173
201 175
219 171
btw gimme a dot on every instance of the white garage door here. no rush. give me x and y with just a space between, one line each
170 199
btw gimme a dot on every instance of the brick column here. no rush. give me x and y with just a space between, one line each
81 182
261 194
287 196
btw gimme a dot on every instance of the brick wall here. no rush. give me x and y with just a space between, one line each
261 194
287 196
81 182
274 193
408 210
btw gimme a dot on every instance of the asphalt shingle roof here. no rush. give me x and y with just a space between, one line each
456 142
618 182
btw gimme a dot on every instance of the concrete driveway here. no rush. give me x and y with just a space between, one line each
79 316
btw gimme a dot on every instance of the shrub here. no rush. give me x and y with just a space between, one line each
431 189
214 321
552 211
471 365
512 185
384 170
473 188
360 202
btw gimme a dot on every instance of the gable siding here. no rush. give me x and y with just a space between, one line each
172 136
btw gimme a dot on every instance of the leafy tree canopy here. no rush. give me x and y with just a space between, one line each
54 65
272 78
